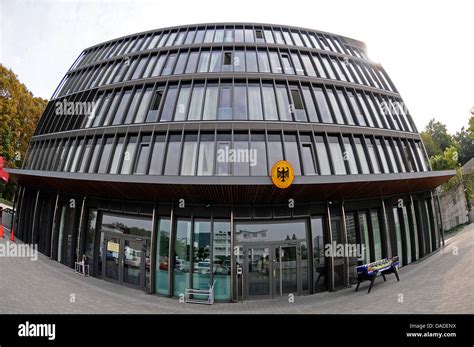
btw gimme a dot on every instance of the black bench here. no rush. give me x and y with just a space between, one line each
369 272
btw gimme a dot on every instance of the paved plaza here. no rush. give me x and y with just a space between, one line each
441 283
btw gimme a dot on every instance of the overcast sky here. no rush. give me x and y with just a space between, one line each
427 47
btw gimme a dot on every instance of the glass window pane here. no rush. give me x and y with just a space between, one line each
221 259
268 36
112 107
223 161
209 35
192 62
190 37
152 115
349 155
287 67
202 255
308 65
283 103
157 155
225 103
182 105
297 64
269 103
257 144
219 36
240 102
251 61
372 155
159 65
104 159
361 154
129 156
121 108
162 256
169 103
239 61
275 62
142 158
206 156
263 62
210 104
291 153
309 103
336 155
144 104
275 150
172 155
181 63
195 108
307 154
168 69
249 35
241 144
182 261
376 235
199 36
345 107
383 159
359 116
117 155
322 105
216 61
255 103
298 106
323 158
335 106
188 161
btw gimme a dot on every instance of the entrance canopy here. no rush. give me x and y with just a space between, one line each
223 189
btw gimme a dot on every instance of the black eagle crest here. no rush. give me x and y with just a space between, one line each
283 173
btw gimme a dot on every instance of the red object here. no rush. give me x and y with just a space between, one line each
2 233
12 236
3 174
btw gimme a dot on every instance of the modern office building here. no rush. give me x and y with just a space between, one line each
154 159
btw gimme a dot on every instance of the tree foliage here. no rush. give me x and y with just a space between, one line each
446 161
439 134
20 112
465 144
19 115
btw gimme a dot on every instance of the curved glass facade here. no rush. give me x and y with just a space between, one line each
153 159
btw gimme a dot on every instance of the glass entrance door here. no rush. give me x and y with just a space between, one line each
112 257
125 259
272 270
285 270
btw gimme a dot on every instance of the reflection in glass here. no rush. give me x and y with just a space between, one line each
181 261
162 256
221 259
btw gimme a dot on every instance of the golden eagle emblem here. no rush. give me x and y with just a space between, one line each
282 174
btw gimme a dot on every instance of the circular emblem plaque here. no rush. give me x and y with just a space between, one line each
282 174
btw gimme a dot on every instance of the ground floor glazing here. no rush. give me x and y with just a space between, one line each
246 251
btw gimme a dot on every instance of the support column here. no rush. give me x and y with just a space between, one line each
344 237
171 253
154 224
79 246
14 214
330 265
387 243
441 229
233 274
53 226
414 228
33 227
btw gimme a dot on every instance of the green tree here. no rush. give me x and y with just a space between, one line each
439 134
20 112
432 148
446 161
465 141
